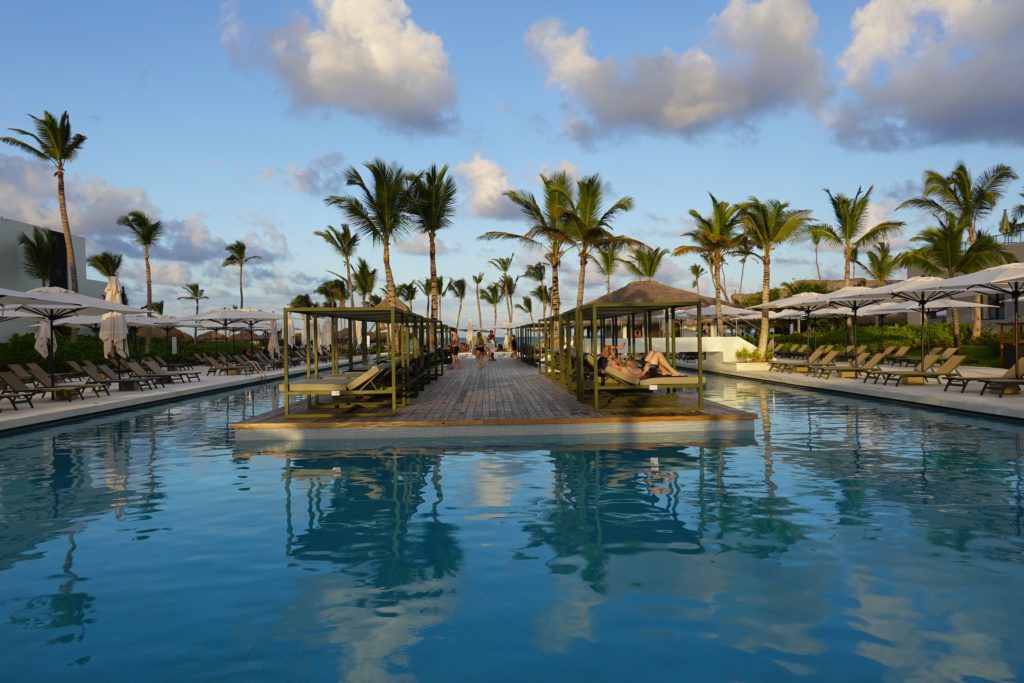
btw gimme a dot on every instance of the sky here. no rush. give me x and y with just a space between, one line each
235 120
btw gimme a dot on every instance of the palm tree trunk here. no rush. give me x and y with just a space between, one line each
348 274
458 316
495 318
582 278
241 290
743 271
69 248
479 311
956 328
609 283
149 292
766 283
817 264
195 330
846 283
717 277
389 279
435 305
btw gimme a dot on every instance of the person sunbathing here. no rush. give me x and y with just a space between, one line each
654 364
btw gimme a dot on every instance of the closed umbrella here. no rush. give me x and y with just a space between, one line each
469 332
113 327
45 343
273 346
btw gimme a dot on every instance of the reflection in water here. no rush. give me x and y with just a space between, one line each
884 539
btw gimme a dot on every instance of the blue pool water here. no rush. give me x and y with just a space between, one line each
844 540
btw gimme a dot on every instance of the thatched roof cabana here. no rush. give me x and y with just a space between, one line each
650 292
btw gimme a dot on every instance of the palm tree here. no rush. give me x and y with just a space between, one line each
546 227
334 292
146 232
646 261
543 295
458 289
697 271
969 199
504 264
196 294
365 280
492 295
816 240
881 263
344 242
607 258
477 279
302 301
526 307
407 291
433 206
106 263
1018 211
537 272
942 253
507 283
237 257
768 224
380 212
54 143
713 237
850 231
588 225
37 255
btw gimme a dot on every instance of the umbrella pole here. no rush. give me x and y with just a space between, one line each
1016 335
924 321
53 356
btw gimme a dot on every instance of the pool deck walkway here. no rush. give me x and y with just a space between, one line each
48 411
929 395
504 398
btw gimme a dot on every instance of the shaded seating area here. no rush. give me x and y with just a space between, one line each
371 359
567 349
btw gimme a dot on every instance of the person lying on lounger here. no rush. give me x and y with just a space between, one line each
654 364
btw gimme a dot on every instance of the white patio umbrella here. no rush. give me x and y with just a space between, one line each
1005 279
56 303
806 302
911 289
113 327
854 299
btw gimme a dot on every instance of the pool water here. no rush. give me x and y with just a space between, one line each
843 540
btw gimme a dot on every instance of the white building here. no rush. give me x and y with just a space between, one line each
12 272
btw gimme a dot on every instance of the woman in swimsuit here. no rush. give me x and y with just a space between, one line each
654 364
479 349
453 342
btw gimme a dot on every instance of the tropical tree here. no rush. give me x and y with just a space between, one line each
543 295
697 271
816 239
237 257
646 261
881 263
526 307
433 206
194 293
713 237
105 263
364 280
504 264
477 279
54 142
850 231
407 291
147 233
344 243
381 211
507 283
767 225
942 253
607 258
545 226
457 288
334 292
588 224
302 301
1018 211
37 255
492 295
969 199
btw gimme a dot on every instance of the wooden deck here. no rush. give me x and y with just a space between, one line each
504 397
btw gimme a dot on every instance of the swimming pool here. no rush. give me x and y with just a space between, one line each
846 540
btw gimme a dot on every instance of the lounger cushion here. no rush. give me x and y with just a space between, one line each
617 374
361 381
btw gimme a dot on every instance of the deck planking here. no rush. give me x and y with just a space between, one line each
502 392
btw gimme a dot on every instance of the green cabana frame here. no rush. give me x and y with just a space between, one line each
414 350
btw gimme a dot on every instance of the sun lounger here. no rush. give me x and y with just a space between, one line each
878 373
848 370
21 373
826 359
947 368
823 370
14 396
1009 382
43 381
94 376
780 365
68 391
180 375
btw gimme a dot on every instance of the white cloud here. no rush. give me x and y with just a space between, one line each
367 57
417 244
487 182
768 61
926 71
322 176
267 241
563 166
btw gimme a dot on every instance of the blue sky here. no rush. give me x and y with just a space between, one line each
233 121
